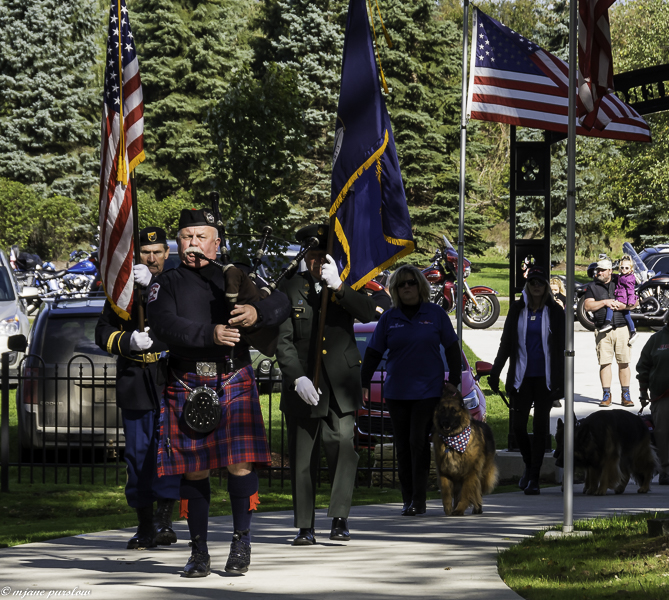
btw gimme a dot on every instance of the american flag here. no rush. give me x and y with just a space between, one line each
122 151
595 63
514 81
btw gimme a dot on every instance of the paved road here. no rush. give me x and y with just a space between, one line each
430 557
587 387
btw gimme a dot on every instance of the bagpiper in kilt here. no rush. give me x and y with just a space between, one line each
189 311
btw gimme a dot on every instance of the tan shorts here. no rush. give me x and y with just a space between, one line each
613 343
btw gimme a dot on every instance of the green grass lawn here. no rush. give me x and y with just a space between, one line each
618 561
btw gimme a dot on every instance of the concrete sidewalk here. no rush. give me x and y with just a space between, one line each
389 556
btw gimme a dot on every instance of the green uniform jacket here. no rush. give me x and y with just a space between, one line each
341 359
653 366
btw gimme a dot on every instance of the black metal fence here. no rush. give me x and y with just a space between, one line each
66 428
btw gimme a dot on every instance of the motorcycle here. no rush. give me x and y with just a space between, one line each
651 289
480 304
80 278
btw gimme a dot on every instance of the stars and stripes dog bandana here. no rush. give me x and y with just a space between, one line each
458 442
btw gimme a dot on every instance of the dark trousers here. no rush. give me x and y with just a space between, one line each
141 430
336 430
533 390
412 423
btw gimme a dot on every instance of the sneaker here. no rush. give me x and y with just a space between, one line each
626 399
239 558
606 327
633 338
606 400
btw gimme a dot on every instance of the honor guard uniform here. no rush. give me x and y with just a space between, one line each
138 396
211 416
328 412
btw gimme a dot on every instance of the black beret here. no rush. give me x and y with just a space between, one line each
152 235
196 218
317 231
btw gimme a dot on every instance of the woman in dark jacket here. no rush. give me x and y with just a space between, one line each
412 332
533 343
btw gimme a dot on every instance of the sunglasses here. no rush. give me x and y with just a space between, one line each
625 268
537 282
408 282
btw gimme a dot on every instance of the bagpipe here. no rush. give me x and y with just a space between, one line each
245 287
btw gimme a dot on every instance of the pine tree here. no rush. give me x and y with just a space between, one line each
307 37
49 104
423 73
188 51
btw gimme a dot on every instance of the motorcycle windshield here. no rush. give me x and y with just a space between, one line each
639 266
447 244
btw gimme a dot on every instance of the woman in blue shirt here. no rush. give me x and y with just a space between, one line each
533 342
412 333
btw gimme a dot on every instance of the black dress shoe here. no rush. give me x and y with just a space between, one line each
199 563
239 558
304 537
162 520
663 479
533 488
146 534
414 509
339 530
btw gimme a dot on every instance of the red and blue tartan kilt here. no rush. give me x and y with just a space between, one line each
239 438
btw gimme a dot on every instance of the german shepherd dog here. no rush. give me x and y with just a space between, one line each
611 446
464 452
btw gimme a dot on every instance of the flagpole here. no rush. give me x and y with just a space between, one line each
568 480
325 292
463 156
136 247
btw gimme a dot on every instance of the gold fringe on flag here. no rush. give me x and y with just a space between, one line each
122 174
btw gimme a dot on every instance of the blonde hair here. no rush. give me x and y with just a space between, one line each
560 286
626 258
408 272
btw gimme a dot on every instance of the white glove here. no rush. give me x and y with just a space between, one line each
306 390
140 341
330 273
142 275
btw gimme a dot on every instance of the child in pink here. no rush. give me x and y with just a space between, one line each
625 292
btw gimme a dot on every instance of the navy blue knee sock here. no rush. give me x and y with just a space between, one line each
197 494
243 490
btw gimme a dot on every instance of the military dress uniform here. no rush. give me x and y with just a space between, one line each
333 417
138 396
185 305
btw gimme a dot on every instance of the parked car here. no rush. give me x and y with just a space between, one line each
13 311
656 258
373 424
66 392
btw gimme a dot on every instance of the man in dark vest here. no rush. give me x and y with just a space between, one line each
138 397
329 411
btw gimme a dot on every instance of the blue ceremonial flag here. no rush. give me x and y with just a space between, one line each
372 225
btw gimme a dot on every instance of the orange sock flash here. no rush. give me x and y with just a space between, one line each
254 501
183 508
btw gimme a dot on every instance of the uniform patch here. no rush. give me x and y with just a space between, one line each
152 235
153 293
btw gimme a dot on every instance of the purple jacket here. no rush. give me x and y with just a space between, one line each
625 289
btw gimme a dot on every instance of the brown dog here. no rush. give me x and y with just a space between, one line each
464 452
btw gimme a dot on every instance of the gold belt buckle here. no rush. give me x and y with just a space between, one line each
206 369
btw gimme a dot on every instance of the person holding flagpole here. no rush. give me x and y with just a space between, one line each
326 412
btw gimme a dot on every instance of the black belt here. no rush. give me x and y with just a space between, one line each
204 368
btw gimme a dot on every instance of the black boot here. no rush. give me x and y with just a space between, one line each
525 479
162 519
146 534
239 558
199 563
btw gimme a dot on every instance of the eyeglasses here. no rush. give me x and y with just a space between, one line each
407 282
537 282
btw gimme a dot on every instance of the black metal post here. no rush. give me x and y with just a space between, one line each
4 425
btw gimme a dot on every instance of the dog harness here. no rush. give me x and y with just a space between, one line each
458 442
